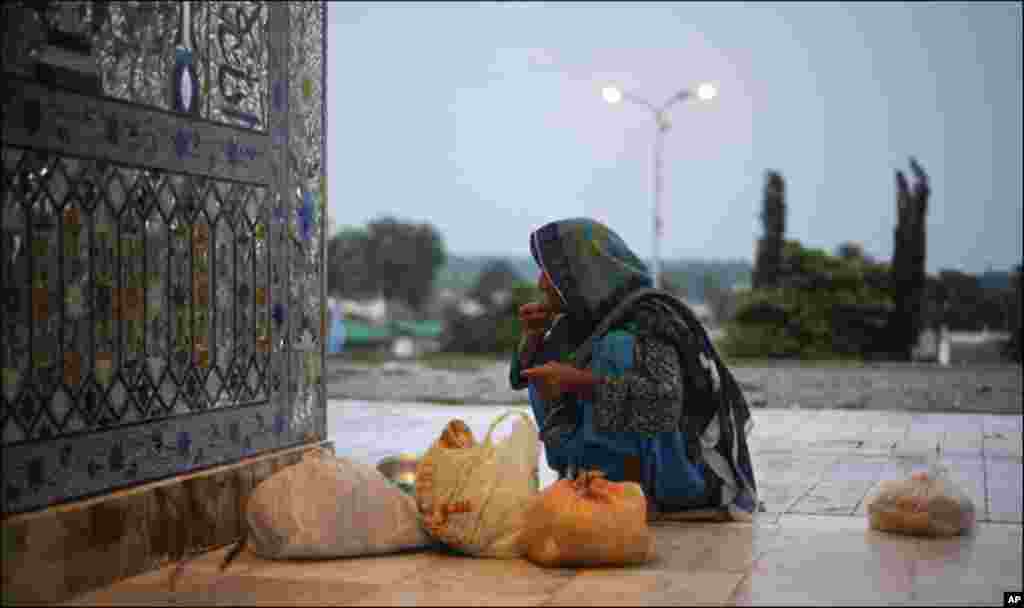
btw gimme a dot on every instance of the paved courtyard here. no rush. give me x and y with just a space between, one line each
976 389
812 546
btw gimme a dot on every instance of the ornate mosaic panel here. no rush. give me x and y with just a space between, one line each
232 43
305 98
162 276
134 50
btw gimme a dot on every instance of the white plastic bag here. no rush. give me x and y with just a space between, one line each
327 507
926 504
473 498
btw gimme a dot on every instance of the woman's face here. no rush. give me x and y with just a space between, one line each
551 299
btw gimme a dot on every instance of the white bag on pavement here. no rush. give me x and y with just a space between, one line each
474 498
926 504
327 507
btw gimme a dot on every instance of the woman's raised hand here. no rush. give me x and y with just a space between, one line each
535 317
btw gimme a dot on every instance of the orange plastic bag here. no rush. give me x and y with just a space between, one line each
589 521
927 504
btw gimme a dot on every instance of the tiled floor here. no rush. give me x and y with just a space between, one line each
800 560
806 461
813 546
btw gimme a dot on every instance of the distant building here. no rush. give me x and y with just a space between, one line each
401 339
960 347
469 307
500 297
375 310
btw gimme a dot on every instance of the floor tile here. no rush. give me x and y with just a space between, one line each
970 569
813 563
822 523
724 547
778 497
631 588
126 595
266 591
992 424
1006 444
458 581
211 562
429 595
766 587
201 588
376 570
833 498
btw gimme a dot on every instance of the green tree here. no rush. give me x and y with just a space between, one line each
675 283
722 302
496 276
404 259
805 316
1013 349
348 269
396 259
851 252
495 332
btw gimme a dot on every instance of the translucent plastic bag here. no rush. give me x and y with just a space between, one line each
588 521
926 504
327 507
473 496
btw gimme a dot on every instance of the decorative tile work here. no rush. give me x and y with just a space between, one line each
234 36
161 277
129 134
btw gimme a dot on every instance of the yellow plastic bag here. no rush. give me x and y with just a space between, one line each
588 521
473 497
927 504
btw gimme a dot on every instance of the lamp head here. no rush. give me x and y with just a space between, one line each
611 94
706 91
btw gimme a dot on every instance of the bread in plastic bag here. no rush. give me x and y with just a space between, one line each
589 521
473 496
324 507
926 504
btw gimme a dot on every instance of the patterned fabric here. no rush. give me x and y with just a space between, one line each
647 399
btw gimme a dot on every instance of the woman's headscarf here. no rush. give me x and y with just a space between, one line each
590 266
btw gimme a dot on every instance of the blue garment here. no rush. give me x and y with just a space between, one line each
336 341
668 475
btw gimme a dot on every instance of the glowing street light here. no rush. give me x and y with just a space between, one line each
613 95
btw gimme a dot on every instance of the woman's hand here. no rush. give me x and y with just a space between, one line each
535 317
555 378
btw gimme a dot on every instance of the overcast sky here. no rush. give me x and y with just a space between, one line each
487 120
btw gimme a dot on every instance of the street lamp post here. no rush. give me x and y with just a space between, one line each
614 95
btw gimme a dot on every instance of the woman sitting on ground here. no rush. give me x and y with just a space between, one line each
623 378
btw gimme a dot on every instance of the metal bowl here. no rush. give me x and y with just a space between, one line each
400 470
